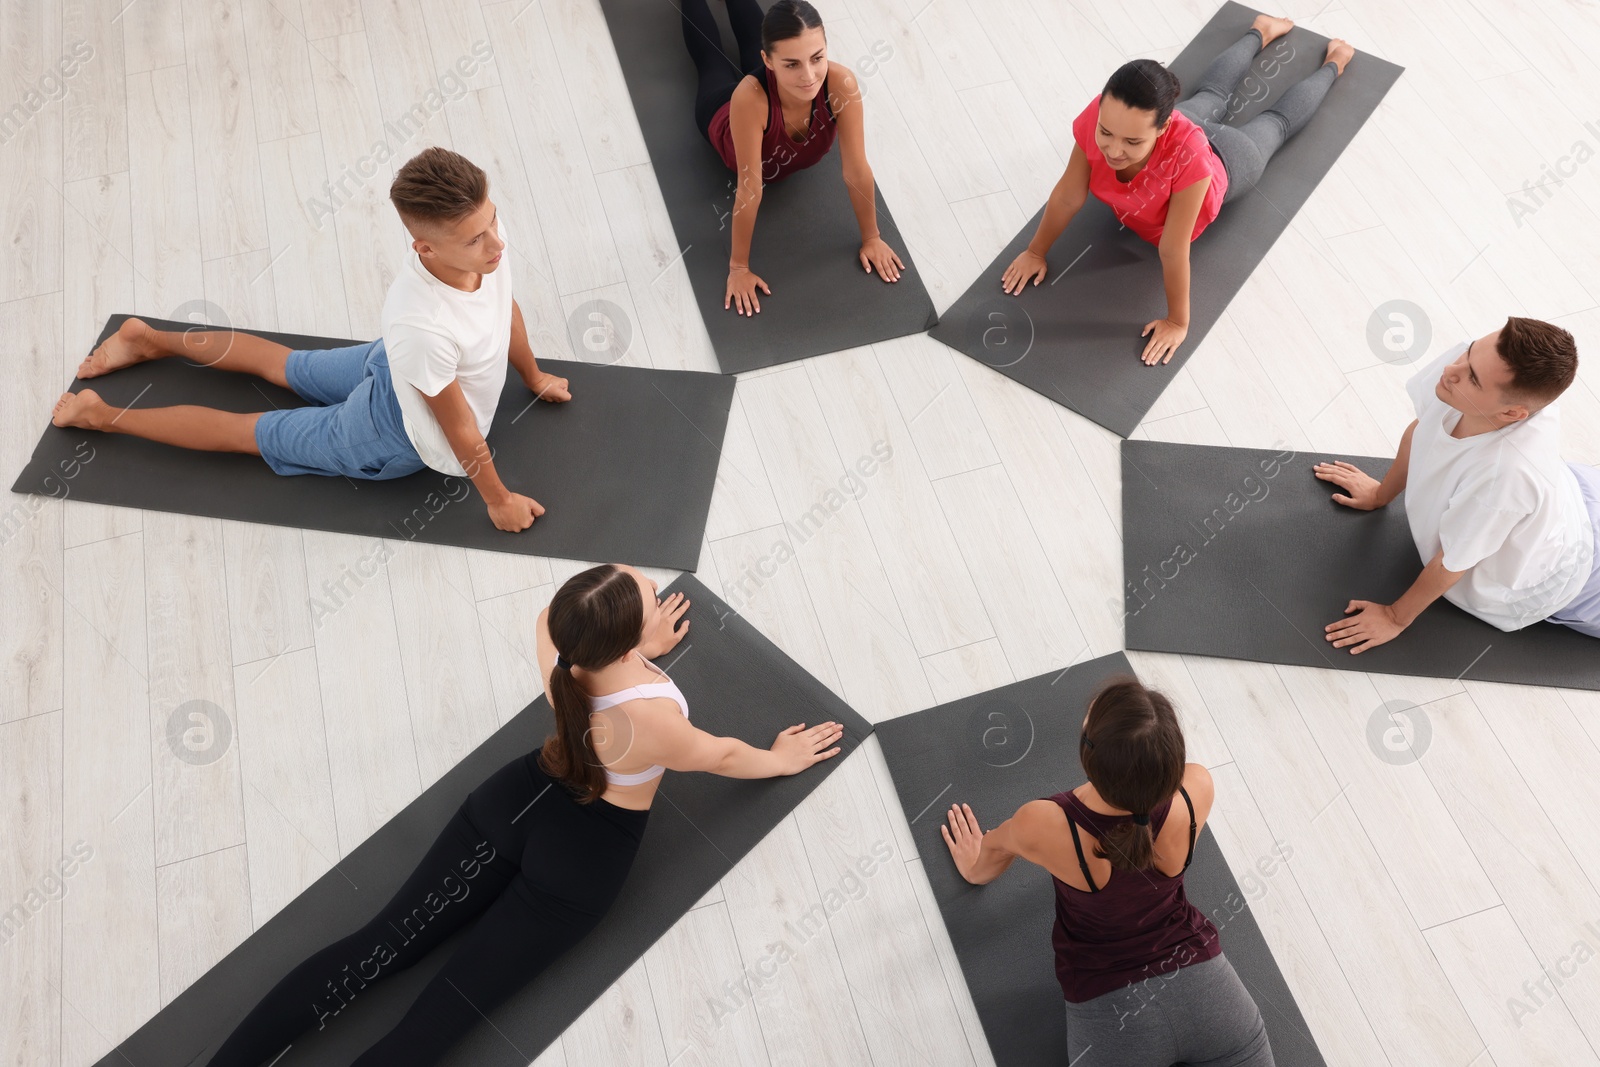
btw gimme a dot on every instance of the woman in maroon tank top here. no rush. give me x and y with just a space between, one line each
1141 969
782 114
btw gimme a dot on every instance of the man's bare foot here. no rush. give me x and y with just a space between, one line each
134 342
83 410
1271 28
1340 53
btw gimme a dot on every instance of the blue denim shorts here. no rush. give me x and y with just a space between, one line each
353 426
1583 614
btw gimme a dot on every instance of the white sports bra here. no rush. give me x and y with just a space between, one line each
667 688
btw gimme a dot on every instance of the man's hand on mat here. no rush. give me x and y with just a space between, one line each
965 839
1371 625
1360 488
1165 337
876 255
515 513
798 748
664 636
1028 266
741 294
549 387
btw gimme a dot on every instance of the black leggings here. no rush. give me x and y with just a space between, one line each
718 76
535 868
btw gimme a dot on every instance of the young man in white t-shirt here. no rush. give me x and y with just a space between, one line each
1506 529
423 394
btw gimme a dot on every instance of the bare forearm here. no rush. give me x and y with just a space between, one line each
746 203
740 760
1431 584
520 351
992 863
1175 274
1058 212
473 453
859 181
1394 482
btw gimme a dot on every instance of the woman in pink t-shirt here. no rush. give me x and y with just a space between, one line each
1166 166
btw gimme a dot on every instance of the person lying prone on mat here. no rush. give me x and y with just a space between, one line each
537 854
423 395
1506 529
1166 166
780 115
1141 968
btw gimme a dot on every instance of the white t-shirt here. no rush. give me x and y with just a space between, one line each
433 334
1503 505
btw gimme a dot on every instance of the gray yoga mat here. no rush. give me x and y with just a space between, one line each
806 240
1241 553
625 469
996 751
738 683
1075 337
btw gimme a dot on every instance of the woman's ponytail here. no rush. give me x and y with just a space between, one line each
595 619
1132 750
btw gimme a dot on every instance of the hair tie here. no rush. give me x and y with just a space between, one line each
563 662
1141 820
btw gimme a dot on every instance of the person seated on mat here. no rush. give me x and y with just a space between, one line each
538 853
422 394
779 111
1142 970
1166 166
1505 528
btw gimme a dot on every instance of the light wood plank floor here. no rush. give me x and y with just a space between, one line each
230 159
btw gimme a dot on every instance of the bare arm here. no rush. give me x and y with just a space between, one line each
509 511
849 112
1362 491
747 115
1066 200
1176 237
520 353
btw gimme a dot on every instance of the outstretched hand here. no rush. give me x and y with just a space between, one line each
1366 625
877 255
1027 267
798 748
664 636
1165 337
964 837
1360 488
741 292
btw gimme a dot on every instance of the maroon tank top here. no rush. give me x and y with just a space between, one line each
780 154
1138 925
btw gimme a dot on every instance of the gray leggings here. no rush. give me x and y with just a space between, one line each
1200 1015
1245 149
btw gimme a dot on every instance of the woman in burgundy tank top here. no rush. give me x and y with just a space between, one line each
780 110
1141 969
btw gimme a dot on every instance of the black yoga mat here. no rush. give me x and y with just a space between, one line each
806 241
624 470
737 682
1241 553
1075 337
996 751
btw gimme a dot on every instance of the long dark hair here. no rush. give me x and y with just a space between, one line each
1145 85
595 619
1133 753
786 19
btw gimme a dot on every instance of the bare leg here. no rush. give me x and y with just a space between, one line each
186 425
135 342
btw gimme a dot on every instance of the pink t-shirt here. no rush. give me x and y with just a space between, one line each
1182 156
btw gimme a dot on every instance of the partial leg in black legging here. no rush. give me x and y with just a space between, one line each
460 878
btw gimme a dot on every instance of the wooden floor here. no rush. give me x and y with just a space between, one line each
217 157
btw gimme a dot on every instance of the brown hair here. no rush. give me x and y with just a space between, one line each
1543 359
595 619
1133 753
437 185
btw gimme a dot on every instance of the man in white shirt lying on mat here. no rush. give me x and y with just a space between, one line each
1506 527
423 395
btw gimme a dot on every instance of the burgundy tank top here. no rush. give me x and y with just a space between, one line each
1138 925
780 154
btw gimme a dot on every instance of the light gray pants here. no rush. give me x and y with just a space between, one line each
1246 149
1200 1015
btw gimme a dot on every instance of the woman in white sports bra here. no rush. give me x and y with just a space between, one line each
535 868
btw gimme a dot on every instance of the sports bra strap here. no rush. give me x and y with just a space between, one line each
1077 844
1192 826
